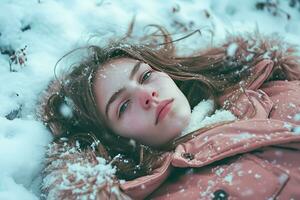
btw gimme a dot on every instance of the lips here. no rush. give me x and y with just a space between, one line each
162 109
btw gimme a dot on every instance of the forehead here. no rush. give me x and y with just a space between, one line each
111 77
117 66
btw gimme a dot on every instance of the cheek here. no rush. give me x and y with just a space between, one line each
163 81
170 89
134 124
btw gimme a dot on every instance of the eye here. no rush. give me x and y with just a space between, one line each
146 76
123 108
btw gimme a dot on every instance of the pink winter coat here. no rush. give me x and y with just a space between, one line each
255 157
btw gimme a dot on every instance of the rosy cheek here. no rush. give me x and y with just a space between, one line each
134 124
163 78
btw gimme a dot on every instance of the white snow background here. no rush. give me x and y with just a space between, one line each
51 28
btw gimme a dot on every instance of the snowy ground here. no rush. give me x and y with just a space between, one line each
50 28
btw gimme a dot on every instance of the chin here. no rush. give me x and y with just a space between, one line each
172 128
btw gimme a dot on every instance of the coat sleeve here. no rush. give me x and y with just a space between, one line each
253 49
71 173
285 58
270 59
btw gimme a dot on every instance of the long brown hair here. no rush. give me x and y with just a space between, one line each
206 74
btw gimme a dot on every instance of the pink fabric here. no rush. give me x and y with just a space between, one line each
231 139
285 95
255 157
140 187
241 177
288 161
253 104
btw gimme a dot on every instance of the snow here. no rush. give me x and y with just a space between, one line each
232 48
296 130
49 29
287 126
242 136
77 171
297 117
283 178
228 178
257 176
219 171
66 111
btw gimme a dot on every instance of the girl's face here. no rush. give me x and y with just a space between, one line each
140 103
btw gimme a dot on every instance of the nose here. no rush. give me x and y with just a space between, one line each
147 97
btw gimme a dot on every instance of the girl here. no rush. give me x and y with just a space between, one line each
131 104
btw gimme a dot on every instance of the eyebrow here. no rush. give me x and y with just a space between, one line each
115 95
